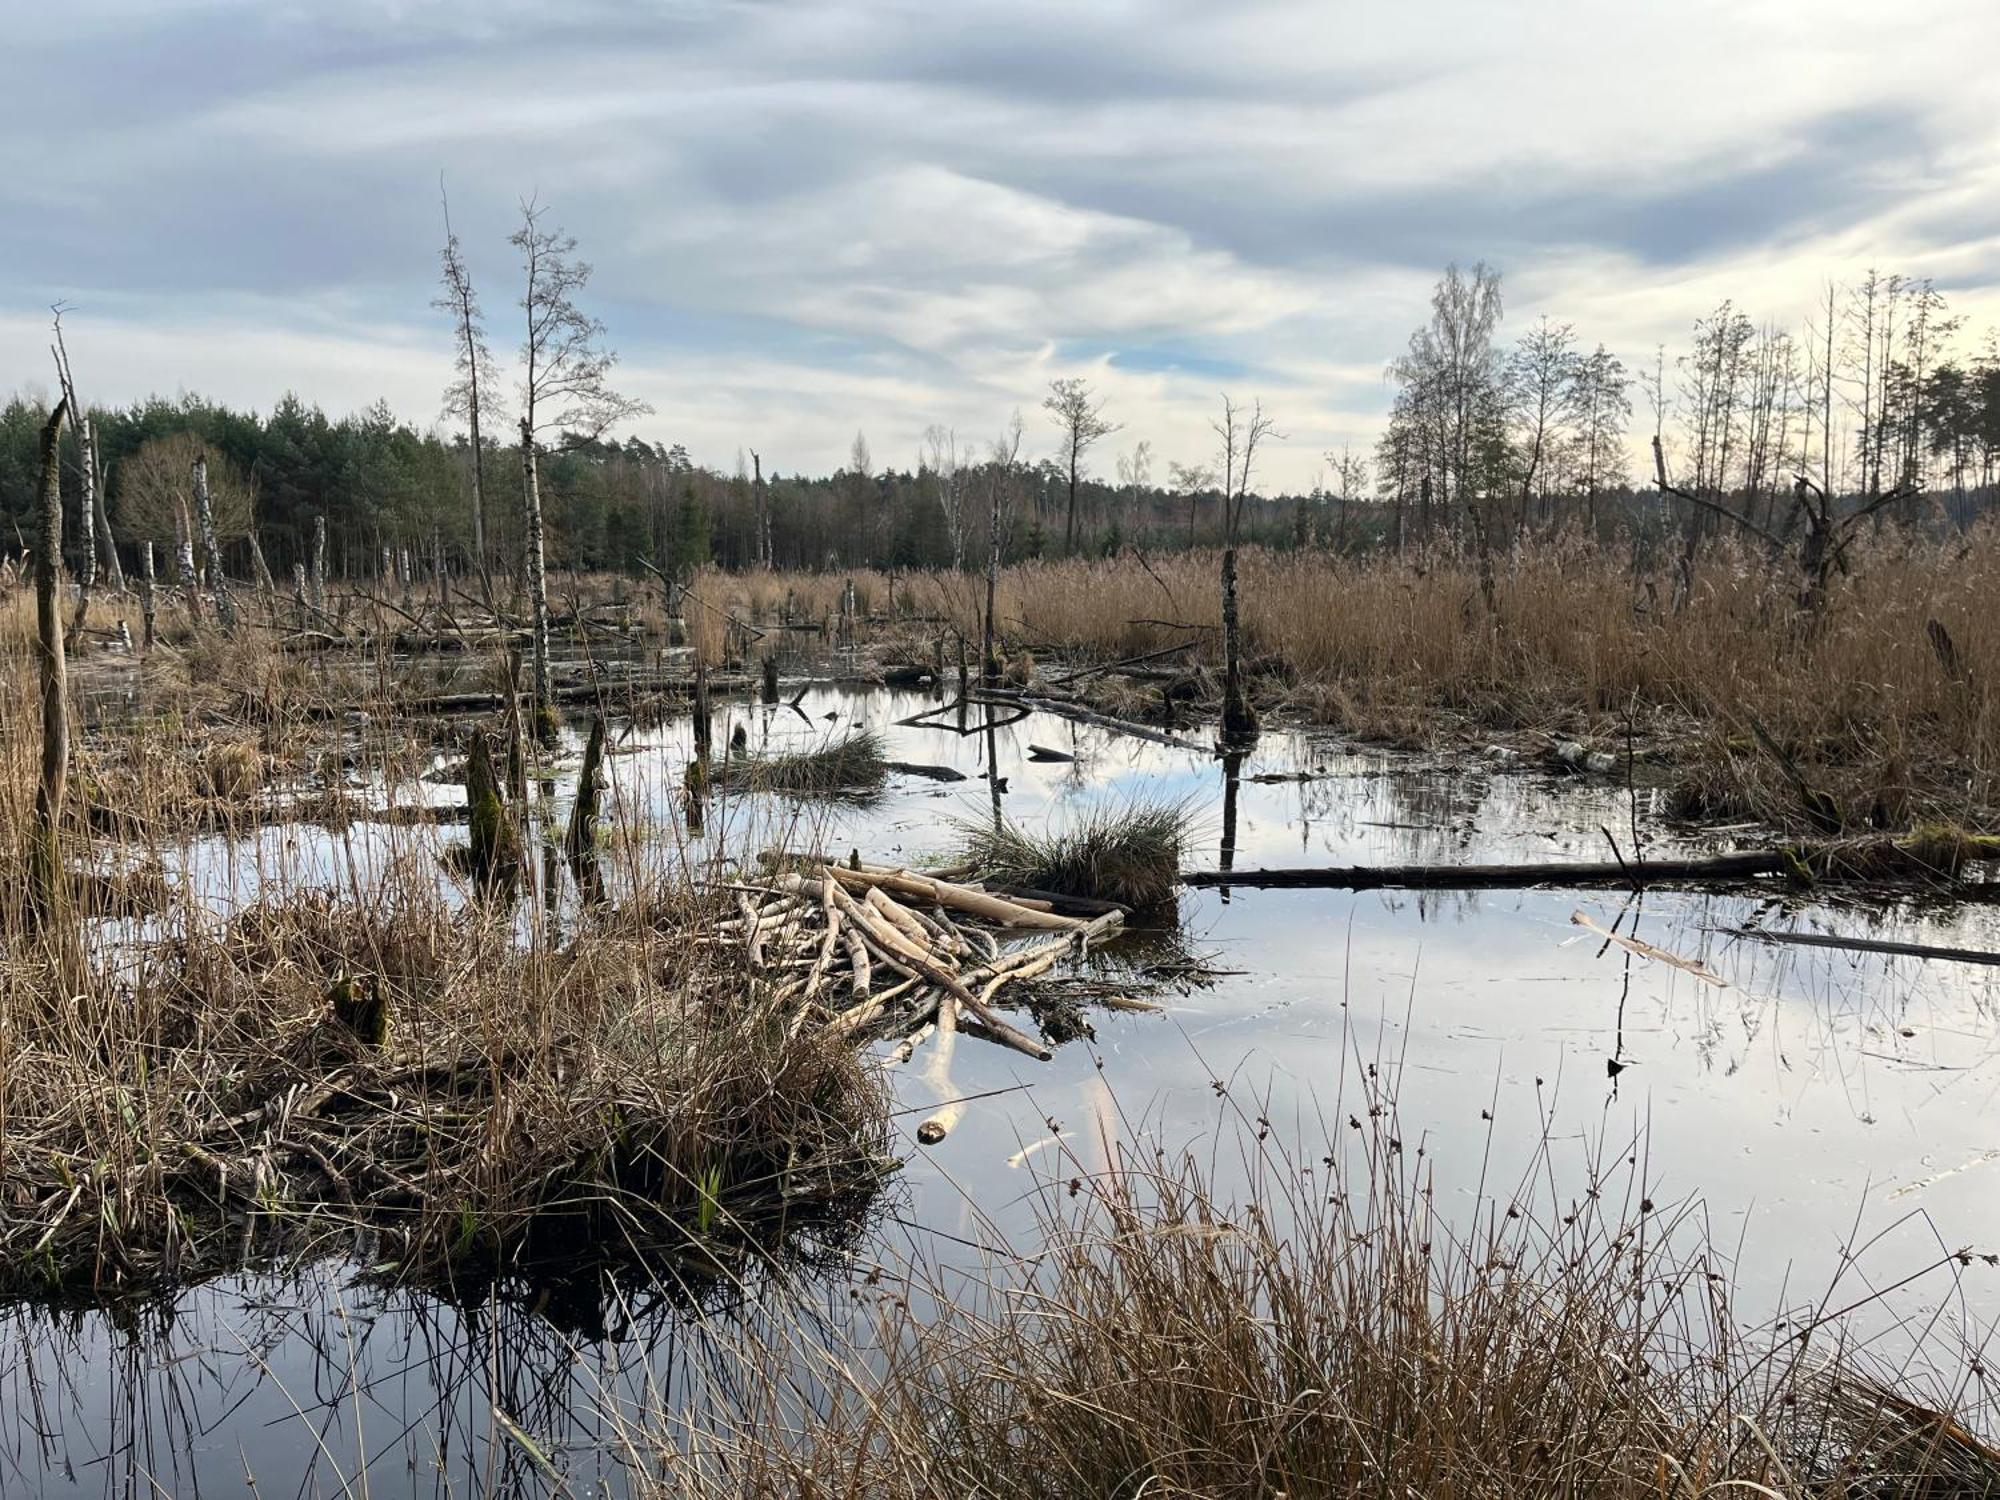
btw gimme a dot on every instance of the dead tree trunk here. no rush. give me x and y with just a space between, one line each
86 515
45 859
225 606
146 603
538 579
319 564
184 573
1239 720
113 569
266 584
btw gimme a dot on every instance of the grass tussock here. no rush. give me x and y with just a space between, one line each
856 764
1130 855
1326 1332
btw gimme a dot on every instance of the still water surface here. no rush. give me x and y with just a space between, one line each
1811 1092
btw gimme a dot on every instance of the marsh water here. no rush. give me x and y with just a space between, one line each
1811 1100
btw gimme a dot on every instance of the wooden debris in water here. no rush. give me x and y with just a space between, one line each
890 952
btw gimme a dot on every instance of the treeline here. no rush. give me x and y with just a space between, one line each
380 483
1876 398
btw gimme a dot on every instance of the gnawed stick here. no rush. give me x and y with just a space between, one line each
907 952
860 977
753 930
902 1051
937 1074
828 941
995 909
900 917
869 1011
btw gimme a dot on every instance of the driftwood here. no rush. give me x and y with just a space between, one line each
1933 857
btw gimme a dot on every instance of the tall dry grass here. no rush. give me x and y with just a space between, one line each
1330 1329
220 1050
1581 639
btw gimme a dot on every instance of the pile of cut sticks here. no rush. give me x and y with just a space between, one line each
874 950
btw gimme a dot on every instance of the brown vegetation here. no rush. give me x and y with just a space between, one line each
1893 718
1328 1331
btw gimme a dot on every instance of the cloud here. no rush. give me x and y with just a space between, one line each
881 214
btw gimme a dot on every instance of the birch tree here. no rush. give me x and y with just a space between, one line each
1541 395
1603 407
565 389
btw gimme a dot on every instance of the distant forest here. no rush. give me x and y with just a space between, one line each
1880 399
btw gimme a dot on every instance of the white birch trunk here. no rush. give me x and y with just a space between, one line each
538 575
225 606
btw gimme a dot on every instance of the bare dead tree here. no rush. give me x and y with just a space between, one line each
1822 550
1002 473
760 517
1079 415
946 466
218 582
467 394
565 388
1241 433
93 521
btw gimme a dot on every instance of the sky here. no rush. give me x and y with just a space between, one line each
812 217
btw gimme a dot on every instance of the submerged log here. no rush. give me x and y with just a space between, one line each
929 773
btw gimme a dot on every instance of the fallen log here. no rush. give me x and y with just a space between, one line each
1863 945
1933 857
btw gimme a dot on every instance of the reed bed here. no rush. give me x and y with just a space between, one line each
1327 1329
217 1051
1887 701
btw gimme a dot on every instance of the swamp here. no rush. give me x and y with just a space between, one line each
397 1100
1109 822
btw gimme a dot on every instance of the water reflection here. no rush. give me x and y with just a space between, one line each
1811 1089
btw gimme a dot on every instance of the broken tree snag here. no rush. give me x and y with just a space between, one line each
45 868
1939 855
319 565
147 605
704 724
494 855
580 843
225 606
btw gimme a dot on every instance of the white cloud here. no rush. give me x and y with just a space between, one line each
878 214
